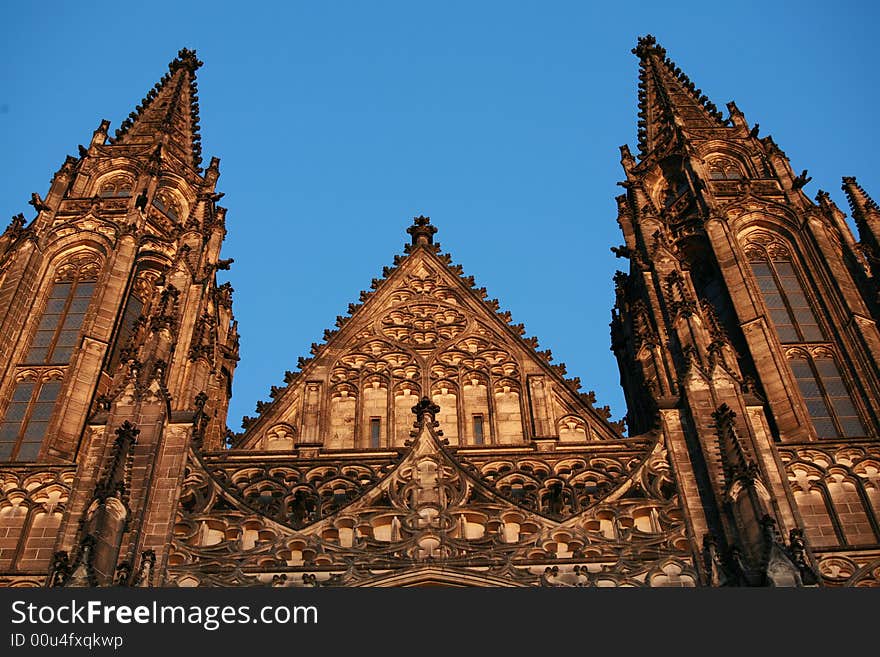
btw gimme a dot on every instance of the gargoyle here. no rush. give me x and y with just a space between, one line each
801 180
38 203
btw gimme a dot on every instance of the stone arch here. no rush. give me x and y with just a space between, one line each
446 394
170 202
14 511
807 484
672 572
475 407
406 395
108 167
279 437
118 183
714 149
769 217
721 166
844 489
343 416
439 577
181 187
374 410
868 470
572 429
508 411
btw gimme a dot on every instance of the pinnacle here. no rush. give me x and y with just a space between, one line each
168 114
647 45
187 59
668 100
422 231
860 202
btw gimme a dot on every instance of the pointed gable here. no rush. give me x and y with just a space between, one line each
425 330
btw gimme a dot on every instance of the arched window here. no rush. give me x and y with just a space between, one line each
723 168
828 400
676 186
58 330
116 187
816 369
165 202
784 296
27 417
143 286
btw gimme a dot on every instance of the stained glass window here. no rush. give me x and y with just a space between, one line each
27 418
61 321
786 301
827 398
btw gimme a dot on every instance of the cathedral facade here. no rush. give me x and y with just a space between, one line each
426 441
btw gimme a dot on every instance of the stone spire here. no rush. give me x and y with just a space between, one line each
668 100
864 210
168 116
866 214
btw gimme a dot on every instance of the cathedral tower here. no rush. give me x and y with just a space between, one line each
113 335
746 329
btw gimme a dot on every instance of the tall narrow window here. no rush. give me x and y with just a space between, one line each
133 309
27 417
786 301
828 400
61 321
478 430
375 431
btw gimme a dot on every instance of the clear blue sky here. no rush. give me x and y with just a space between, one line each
336 122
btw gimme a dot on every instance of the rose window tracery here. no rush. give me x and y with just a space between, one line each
423 326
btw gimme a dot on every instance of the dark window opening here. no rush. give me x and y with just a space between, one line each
724 170
786 301
478 430
133 309
27 418
166 205
828 400
119 187
58 331
375 431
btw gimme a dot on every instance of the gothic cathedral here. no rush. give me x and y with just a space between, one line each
426 440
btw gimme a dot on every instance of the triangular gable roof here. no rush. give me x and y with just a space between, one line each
464 328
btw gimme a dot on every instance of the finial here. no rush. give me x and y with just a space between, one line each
422 231
187 59
627 159
16 226
425 410
212 173
735 116
647 45
99 136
